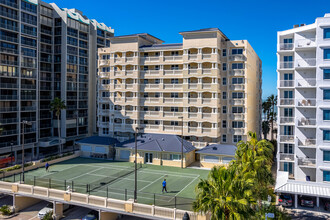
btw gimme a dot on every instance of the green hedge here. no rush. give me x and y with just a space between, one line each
56 157
14 167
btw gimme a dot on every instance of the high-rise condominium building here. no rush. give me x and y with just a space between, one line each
303 69
209 83
47 52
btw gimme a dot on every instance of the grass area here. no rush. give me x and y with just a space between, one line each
79 172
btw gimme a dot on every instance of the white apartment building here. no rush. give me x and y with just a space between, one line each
207 88
303 157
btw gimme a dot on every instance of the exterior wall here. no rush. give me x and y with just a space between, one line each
197 68
205 164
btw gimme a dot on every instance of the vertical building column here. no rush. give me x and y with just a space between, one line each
317 202
296 201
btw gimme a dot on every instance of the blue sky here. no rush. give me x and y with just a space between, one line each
254 20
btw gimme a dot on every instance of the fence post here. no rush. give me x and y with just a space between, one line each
14 177
34 180
50 183
20 177
72 186
64 185
107 191
174 201
125 194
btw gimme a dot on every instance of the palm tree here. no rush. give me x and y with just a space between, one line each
265 128
224 196
272 100
56 106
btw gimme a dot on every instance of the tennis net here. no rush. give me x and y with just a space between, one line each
107 180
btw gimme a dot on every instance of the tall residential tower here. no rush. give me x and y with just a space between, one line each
207 87
303 157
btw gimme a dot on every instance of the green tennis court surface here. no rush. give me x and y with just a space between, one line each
116 180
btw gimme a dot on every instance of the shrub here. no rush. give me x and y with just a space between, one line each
13 168
48 216
56 157
5 210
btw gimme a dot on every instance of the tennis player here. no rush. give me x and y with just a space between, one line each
164 186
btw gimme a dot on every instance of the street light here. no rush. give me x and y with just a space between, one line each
135 171
24 123
181 117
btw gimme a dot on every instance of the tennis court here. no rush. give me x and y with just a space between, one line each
116 180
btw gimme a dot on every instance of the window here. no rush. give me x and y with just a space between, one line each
224 109
224 124
288 130
288 76
224 138
326 94
288 94
174 109
237 66
237 95
326 115
288 148
174 81
157 67
237 51
288 112
326 33
237 138
175 53
174 123
175 157
326 135
224 66
224 95
237 124
326 156
288 41
326 74
105 130
174 95
326 175
326 54
174 67
237 80
224 52
237 109
224 81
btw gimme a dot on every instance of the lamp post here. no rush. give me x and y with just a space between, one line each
135 171
181 117
11 153
24 123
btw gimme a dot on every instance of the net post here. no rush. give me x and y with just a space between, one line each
154 198
49 183
64 185
72 185
125 194
20 177
174 201
14 177
34 180
107 192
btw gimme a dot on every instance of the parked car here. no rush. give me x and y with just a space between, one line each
285 200
307 201
327 205
49 208
92 215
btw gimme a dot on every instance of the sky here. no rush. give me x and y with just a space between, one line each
254 20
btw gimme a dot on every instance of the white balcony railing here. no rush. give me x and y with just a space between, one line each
237 72
150 100
150 72
172 86
193 71
306 162
150 59
104 62
308 82
151 86
104 75
306 102
307 122
308 62
192 115
237 57
287 138
192 85
308 142
172 58
172 72
238 116
173 100
206 56
172 114
286 157
237 101
309 42
286 65
172 128
286 83
192 56
286 120
287 101
237 87
207 70
286 46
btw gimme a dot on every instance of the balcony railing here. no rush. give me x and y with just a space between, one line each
172 114
237 57
308 62
286 46
309 42
173 100
150 72
150 59
286 83
286 157
287 101
172 58
308 142
192 56
285 120
237 87
173 72
286 65
306 102
237 72
306 82
306 162
172 128
172 86
237 101
307 122
287 138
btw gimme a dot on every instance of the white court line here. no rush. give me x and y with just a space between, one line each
151 183
120 178
57 171
184 188
84 174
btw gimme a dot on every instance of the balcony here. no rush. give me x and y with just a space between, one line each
29 108
172 128
150 59
305 43
286 120
9 3
238 116
150 100
8 120
237 72
8 50
173 86
104 62
172 72
237 87
286 83
287 138
172 58
192 85
287 101
192 56
240 131
307 162
104 75
286 157
150 86
8 38
308 62
286 65
8 85
307 122
206 70
237 57
8 109
286 46
206 56
173 100
308 142
308 82
151 113
207 85
306 103
172 114
8 97
9 132
129 59
150 72
237 101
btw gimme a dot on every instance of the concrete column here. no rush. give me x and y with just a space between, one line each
107 215
296 201
32 153
22 202
317 202
58 210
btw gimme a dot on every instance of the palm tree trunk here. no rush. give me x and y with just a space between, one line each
273 106
59 134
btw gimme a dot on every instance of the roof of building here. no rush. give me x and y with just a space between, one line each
218 149
159 142
308 188
162 45
99 140
205 30
138 35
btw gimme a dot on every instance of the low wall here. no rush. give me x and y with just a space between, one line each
39 163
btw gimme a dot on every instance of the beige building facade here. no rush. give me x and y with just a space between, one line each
207 88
